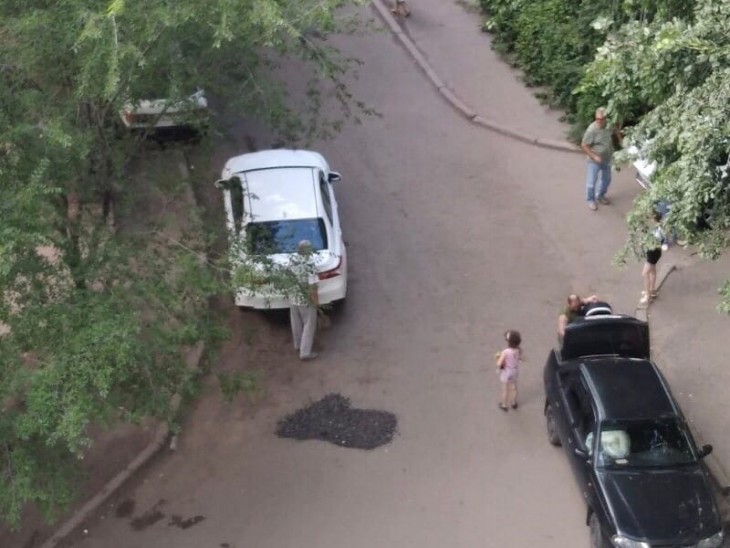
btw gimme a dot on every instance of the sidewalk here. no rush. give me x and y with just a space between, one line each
688 333
689 341
434 36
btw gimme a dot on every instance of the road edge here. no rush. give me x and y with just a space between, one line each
162 434
452 98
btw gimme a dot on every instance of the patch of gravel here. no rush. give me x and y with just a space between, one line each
334 420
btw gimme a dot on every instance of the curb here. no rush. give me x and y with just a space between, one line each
453 99
110 488
113 485
717 471
192 358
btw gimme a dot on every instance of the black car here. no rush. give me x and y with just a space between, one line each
629 446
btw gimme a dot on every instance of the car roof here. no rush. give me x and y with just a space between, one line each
278 158
627 389
281 193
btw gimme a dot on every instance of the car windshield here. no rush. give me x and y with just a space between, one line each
270 237
644 443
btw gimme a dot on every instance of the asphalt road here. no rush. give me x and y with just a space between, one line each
455 234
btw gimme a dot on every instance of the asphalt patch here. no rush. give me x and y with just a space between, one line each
333 419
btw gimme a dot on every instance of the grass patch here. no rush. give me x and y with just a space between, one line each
246 382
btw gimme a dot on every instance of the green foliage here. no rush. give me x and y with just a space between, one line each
260 274
93 320
75 355
551 40
676 74
662 67
554 40
232 384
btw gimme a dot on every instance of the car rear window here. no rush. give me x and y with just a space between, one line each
606 339
270 237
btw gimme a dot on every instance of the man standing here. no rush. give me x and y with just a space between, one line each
597 143
304 302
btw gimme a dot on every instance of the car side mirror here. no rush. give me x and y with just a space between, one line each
705 450
581 453
226 184
334 177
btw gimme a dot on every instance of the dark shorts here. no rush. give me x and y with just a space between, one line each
653 255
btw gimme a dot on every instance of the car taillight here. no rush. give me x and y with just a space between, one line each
128 117
327 274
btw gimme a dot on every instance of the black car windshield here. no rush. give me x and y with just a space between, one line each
644 443
270 237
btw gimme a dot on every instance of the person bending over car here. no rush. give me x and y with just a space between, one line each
575 308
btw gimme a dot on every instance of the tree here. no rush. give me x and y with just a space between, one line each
678 71
554 40
93 319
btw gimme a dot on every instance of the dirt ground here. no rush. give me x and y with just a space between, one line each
112 451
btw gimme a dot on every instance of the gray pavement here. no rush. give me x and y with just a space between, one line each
688 334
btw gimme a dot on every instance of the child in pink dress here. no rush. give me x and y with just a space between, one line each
507 366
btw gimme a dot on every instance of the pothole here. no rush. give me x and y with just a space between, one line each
333 419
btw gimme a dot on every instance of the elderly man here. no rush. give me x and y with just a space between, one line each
304 301
597 143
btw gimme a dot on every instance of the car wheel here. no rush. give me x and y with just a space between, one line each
552 429
597 538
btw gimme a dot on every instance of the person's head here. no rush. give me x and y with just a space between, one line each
304 247
600 116
513 338
574 302
657 216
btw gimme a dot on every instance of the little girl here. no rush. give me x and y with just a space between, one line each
507 364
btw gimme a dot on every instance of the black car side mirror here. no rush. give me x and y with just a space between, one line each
333 177
227 184
581 453
705 450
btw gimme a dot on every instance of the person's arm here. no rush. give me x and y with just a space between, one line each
589 300
590 152
500 360
586 146
562 322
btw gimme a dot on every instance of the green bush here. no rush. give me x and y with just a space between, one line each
553 41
